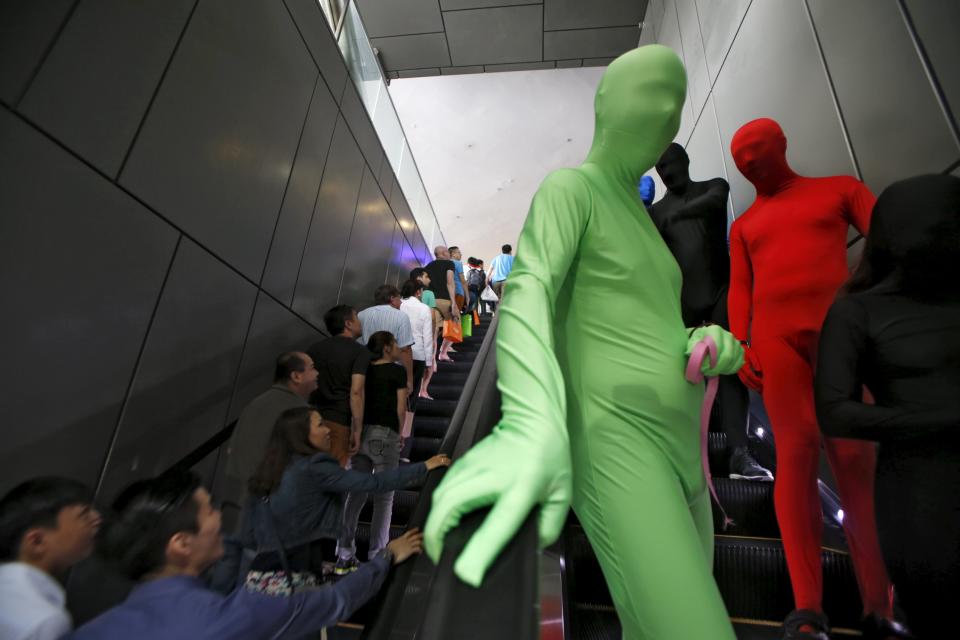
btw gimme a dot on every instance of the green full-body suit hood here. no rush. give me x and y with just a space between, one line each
591 351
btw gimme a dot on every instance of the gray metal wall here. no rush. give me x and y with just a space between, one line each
185 187
869 88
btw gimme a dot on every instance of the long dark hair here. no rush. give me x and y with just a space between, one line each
290 436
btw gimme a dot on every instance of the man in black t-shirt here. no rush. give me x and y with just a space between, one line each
341 364
442 274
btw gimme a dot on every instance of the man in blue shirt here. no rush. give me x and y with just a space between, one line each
499 270
166 533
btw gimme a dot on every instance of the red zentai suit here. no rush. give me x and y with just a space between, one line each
788 259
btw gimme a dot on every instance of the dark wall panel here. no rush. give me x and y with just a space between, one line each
216 149
81 265
400 208
274 330
323 257
27 29
369 253
396 255
313 28
286 251
95 86
936 25
182 387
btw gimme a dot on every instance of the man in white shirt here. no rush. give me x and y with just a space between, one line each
46 526
385 315
424 343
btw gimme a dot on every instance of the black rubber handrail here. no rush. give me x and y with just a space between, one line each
425 601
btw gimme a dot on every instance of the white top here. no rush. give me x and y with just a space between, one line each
31 604
421 322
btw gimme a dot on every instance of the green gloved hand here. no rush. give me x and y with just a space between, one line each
729 351
514 471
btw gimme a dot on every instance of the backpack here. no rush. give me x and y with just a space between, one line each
476 278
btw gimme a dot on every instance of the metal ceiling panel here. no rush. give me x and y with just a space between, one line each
495 36
413 52
521 66
577 14
455 5
418 73
455 70
399 17
589 43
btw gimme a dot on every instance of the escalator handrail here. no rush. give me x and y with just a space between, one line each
421 600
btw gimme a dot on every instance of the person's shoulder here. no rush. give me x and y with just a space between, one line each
843 184
717 183
566 180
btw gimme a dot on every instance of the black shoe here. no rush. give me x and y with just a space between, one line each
876 628
744 467
817 622
346 567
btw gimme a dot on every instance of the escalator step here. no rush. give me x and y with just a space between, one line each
403 505
423 448
749 504
752 576
462 366
445 391
430 426
436 407
450 377
718 454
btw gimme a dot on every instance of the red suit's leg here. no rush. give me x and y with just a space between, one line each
854 463
788 398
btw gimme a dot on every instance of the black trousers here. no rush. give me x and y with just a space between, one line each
918 519
732 397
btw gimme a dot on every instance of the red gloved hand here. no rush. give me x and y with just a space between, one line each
750 373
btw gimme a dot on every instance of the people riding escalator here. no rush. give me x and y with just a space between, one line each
895 330
692 218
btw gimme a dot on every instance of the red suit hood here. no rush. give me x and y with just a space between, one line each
759 149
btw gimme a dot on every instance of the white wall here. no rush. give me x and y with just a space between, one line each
484 142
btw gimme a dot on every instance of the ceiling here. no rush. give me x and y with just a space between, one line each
417 38
484 143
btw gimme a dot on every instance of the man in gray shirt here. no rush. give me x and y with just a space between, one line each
386 316
294 380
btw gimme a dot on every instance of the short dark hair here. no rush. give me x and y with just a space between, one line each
379 341
472 261
145 516
290 435
453 248
287 363
410 288
385 293
36 503
337 317
506 248
417 272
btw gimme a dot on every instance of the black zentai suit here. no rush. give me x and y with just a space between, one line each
902 342
692 219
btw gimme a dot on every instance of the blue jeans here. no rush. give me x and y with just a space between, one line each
379 451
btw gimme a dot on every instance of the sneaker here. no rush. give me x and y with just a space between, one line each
744 467
346 566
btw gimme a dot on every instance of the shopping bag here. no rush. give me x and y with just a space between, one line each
452 331
466 325
476 317
488 295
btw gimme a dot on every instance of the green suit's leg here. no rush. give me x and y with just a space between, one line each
655 550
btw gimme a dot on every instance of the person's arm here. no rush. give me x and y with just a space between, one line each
739 302
858 206
401 406
463 283
337 480
452 291
710 203
525 461
357 400
838 385
305 612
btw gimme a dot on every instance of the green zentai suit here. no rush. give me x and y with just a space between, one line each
591 351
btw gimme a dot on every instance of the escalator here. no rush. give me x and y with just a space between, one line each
561 593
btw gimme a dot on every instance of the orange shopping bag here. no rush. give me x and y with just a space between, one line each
452 331
476 318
